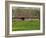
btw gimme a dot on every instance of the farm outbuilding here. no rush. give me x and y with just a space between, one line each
25 13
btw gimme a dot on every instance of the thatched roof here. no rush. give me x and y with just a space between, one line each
23 12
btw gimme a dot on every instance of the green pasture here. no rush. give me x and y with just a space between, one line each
25 25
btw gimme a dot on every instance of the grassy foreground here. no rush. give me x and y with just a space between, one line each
25 25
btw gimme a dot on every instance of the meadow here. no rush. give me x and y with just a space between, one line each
25 25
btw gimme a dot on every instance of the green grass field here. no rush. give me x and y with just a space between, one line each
25 25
